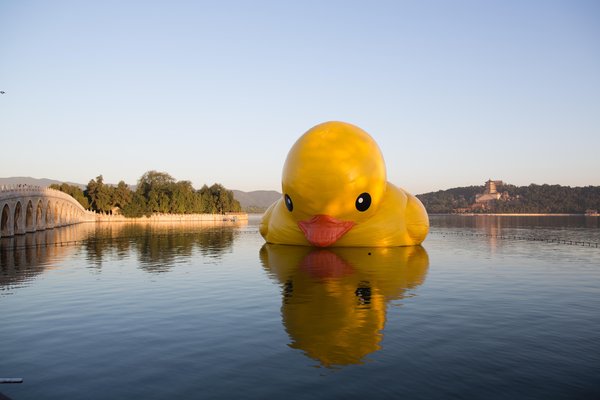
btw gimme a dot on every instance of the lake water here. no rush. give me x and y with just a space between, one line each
488 307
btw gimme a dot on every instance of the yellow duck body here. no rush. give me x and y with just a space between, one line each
335 193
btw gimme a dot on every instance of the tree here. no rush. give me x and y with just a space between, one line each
183 200
159 192
156 188
121 195
218 200
136 208
99 195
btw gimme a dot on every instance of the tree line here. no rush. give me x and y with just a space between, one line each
156 192
550 199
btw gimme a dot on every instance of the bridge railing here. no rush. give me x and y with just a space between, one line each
20 188
23 189
59 209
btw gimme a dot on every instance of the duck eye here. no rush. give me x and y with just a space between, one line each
363 202
288 203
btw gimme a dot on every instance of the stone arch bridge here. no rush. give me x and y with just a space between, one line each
27 208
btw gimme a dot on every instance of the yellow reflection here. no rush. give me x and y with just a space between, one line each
334 299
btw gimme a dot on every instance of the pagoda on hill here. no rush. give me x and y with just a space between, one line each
490 192
485 201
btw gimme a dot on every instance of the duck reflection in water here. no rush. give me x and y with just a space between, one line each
334 300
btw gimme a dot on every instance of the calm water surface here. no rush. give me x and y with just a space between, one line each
191 311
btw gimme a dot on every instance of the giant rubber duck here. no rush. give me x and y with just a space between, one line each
335 193
334 300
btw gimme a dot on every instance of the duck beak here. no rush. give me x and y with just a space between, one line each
323 230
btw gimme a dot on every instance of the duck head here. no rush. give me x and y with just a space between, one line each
333 179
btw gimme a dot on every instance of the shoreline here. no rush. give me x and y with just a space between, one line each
517 214
229 217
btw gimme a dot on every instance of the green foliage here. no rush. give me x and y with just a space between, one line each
73 191
218 200
156 192
99 195
121 195
445 201
552 199
159 192
136 208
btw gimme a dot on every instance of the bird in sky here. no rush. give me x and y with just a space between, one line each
1 92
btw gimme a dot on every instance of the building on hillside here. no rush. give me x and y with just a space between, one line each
484 201
490 192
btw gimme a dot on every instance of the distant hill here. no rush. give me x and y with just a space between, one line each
257 200
551 199
43 182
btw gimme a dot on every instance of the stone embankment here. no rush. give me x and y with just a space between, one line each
228 217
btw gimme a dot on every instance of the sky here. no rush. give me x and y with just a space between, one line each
454 92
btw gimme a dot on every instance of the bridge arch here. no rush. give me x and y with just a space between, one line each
29 224
39 215
63 217
17 219
4 224
49 220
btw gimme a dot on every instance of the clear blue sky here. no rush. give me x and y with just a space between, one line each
454 92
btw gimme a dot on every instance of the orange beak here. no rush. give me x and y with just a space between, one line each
323 230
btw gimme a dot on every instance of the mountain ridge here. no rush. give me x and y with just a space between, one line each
256 200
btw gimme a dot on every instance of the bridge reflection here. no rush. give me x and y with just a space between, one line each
23 257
